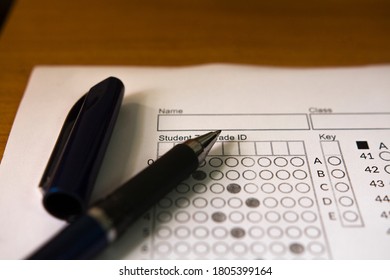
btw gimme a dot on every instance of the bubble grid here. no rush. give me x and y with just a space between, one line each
252 206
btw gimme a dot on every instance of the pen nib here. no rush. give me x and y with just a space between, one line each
203 144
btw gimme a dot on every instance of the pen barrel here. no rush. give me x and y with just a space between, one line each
136 196
83 239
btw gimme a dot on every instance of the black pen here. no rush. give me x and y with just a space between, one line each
107 219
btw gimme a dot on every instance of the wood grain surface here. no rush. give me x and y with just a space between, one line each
183 32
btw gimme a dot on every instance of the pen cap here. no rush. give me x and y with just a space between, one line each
73 166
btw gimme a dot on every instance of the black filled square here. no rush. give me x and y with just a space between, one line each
362 145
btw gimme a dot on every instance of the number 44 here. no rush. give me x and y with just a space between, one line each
382 199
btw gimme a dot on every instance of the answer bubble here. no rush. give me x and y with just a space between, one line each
342 187
219 232
182 232
182 248
300 174
220 248
235 202
290 216
252 202
312 232
248 162
266 174
182 202
385 155
237 232
216 175
275 232
200 216
218 202
270 202
258 248
268 188
217 188
165 202
164 232
199 188
287 202
218 217
233 188
264 162
182 217
338 173
285 188
305 202
256 232
236 217
201 248
297 162
201 232
254 217
164 216
297 248
232 175
163 248
215 162
199 202
334 161
239 248
316 248
293 232
302 187
249 174
272 216
350 216
280 162
346 201
277 248
309 216
199 175
251 188
231 162
283 174
182 188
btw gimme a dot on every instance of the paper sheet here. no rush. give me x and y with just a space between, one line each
301 170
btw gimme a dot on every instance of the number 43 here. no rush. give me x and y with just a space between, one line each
377 183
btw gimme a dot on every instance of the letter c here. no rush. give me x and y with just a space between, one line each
322 186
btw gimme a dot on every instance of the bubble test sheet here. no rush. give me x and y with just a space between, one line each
301 169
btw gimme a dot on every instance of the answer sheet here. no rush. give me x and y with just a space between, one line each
301 169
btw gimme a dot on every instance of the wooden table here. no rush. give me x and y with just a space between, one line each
182 32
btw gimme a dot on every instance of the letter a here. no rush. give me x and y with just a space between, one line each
382 146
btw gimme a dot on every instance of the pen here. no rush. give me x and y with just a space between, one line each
108 218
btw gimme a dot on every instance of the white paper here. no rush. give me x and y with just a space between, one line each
290 177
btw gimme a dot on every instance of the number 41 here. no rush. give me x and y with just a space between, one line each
366 156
